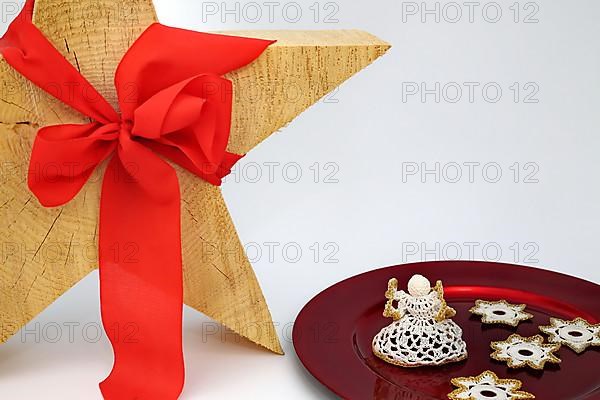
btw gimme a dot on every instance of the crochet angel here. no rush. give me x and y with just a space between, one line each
422 332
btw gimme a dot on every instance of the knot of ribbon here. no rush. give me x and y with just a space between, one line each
174 104
187 122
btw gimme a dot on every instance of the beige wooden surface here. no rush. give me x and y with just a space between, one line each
44 252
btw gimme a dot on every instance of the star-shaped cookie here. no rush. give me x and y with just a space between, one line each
577 334
518 352
487 386
500 312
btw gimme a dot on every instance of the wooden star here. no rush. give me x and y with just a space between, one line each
47 251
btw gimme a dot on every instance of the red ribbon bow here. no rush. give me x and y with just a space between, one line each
173 103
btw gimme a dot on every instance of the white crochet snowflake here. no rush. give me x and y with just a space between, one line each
487 386
500 312
577 334
518 351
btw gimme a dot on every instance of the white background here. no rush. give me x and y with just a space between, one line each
369 214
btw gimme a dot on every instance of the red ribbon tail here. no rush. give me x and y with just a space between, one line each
141 282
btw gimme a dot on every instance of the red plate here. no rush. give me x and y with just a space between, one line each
332 335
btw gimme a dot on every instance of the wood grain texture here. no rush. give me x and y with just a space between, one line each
292 75
44 252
